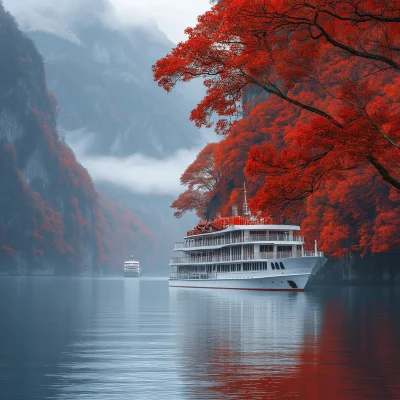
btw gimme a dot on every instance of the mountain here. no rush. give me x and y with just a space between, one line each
100 72
52 220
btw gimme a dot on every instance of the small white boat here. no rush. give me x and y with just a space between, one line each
132 268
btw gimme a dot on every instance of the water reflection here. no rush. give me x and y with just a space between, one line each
130 339
243 336
129 349
341 344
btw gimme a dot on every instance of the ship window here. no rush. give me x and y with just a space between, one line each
273 265
276 265
265 248
282 266
292 284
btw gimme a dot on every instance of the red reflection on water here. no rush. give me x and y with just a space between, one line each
346 361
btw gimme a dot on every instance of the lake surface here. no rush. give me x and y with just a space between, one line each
66 338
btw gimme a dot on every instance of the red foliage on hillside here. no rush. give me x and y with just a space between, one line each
118 233
325 146
47 199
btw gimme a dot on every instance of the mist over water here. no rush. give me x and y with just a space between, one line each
137 339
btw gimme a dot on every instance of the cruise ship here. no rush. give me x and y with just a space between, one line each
244 252
132 268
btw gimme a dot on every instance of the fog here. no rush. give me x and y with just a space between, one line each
137 173
171 17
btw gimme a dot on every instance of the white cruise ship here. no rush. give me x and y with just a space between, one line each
132 268
243 252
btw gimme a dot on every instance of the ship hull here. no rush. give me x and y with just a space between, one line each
262 283
294 278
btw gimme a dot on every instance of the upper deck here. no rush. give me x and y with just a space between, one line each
236 223
131 263
239 234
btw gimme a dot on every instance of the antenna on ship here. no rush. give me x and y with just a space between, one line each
246 211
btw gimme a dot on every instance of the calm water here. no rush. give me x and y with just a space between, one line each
127 339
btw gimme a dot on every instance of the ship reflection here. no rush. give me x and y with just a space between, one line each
289 345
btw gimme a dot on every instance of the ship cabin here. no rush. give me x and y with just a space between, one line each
236 244
131 264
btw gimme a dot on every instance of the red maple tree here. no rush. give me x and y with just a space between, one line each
201 178
329 132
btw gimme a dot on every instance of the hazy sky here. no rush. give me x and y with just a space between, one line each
172 16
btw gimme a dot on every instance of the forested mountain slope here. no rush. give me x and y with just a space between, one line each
51 217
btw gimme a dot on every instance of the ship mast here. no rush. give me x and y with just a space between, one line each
246 210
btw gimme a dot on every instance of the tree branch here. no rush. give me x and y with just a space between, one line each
383 172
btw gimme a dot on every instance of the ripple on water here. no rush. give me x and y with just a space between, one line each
138 339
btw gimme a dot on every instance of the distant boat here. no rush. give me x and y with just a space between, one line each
244 252
132 268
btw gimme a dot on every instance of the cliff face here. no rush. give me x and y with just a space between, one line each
50 214
101 75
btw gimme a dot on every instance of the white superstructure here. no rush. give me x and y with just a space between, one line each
132 268
243 253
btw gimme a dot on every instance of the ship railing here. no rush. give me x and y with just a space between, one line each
244 257
191 243
193 275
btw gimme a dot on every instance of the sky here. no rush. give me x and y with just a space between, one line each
171 16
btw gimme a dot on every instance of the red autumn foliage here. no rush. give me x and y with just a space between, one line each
118 233
8 250
320 366
48 199
325 145
201 177
64 234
